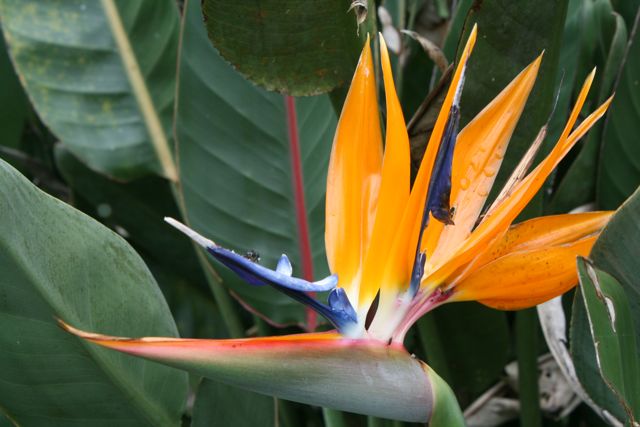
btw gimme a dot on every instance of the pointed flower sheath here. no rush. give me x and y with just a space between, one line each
411 248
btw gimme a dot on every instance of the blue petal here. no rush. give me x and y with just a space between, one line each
339 312
440 186
416 273
258 275
339 304
439 191
284 266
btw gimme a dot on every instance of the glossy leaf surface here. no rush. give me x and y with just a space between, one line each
619 169
594 35
612 330
225 405
101 76
614 252
57 262
289 46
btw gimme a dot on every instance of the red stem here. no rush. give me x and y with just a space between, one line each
301 211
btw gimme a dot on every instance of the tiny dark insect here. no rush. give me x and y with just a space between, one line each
252 256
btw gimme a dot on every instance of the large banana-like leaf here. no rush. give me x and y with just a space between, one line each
619 169
612 330
615 252
57 262
101 75
291 46
221 404
594 34
13 103
236 166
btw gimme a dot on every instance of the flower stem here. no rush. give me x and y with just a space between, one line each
378 422
333 418
432 346
527 349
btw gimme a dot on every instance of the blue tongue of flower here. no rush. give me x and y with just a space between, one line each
338 311
439 191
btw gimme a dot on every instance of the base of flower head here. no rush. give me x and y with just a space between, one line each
422 304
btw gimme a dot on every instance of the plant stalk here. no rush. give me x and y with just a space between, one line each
432 346
527 349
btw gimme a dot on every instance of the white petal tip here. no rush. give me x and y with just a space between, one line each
196 237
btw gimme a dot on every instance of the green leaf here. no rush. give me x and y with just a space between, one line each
224 405
615 251
13 102
510 36
137 210
577 186
628 9
101 76
294 47
455 29
193 309
619 168
236 170
57 262
583 354
612 330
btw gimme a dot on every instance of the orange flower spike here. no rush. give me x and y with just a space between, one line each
528 246
353 178
397 272
394 194
407 234
524 279
502 216
544 231
480 148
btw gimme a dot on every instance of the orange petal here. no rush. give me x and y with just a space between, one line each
398 269
410 225
479 151
394 191
502 216
546 231
353 178
525 278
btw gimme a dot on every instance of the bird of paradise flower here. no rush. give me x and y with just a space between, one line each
402 250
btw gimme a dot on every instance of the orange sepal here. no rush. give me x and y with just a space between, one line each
526 278
500 218
353 177
393 195
479 151
546 231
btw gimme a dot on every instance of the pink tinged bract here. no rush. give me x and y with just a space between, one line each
324 369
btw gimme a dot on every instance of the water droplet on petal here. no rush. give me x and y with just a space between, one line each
489 171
